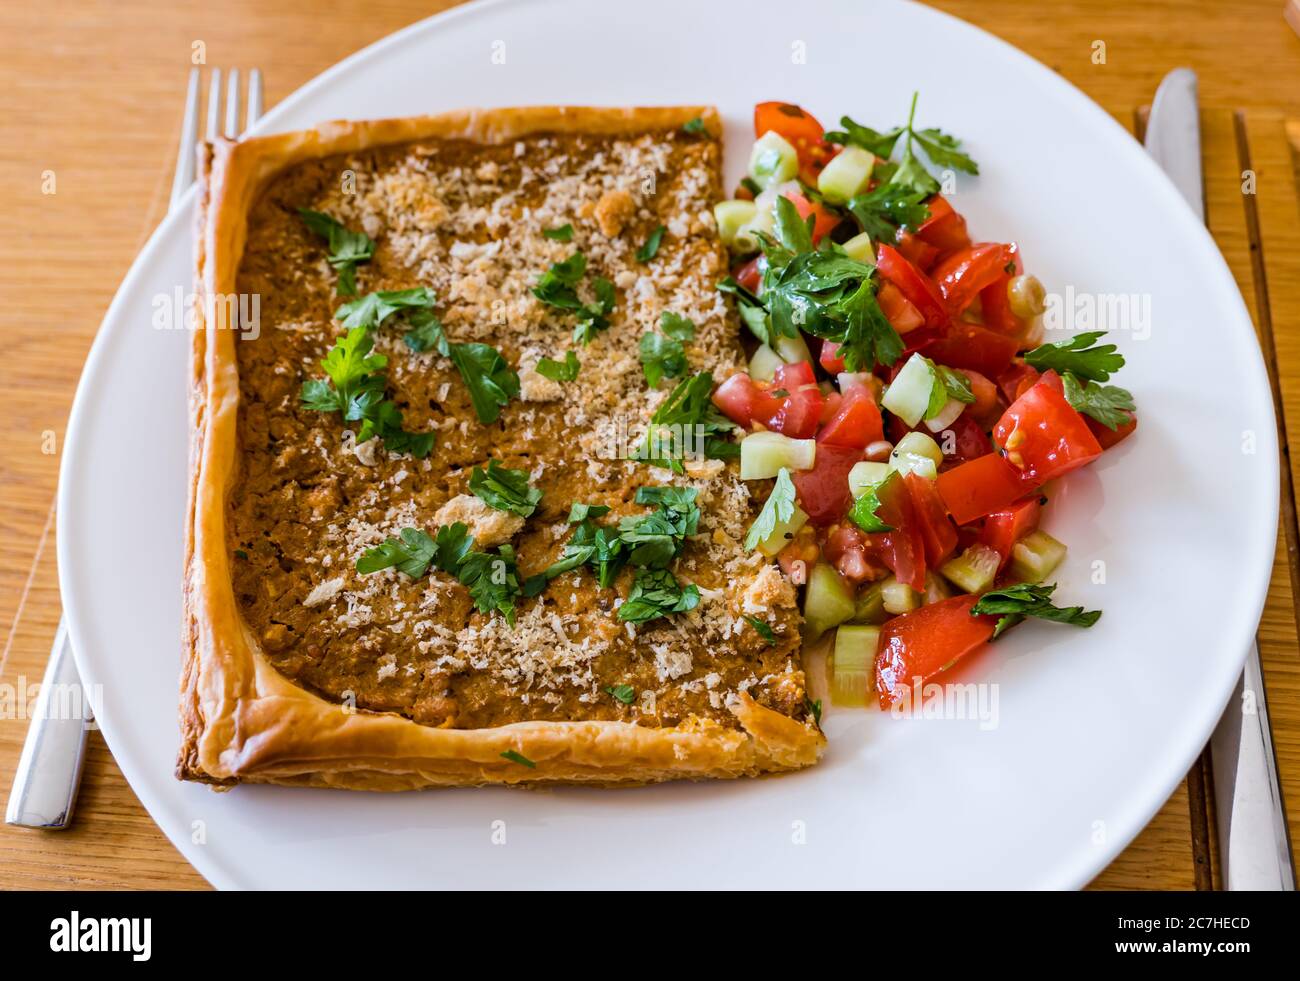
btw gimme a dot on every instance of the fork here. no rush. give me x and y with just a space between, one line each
49 770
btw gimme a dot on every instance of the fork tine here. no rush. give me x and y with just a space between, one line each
254 110
184 175
214 104
232 104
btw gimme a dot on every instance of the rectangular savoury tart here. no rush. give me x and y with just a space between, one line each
419 552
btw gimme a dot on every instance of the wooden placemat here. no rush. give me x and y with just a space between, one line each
66 252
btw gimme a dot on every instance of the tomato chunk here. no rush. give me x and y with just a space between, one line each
742 400
974 347
962 275
1107 437
901 313
979 487
945 229
937 533
824 220
918 645
1043 435
750 275
1002 529
916 250
803 132
823 491
1017 379
903 548
995 304
801 407
915 285
858 422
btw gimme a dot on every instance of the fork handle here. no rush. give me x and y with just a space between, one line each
49 770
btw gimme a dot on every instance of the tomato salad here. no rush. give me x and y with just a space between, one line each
901 398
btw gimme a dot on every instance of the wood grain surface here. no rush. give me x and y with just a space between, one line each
91 94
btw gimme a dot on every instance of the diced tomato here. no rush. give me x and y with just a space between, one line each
848 550
974 347
945 229
1043 435
969 441
830 358
1002 529
1017 379
961 275
915 285
794 376
995 305
920 644
750 275
823 491
857 423
1107 437
830 406
803 132
898 310
985 392
1052 380
801 408
903 548
742 400
979 487
937 532
916 250
824 220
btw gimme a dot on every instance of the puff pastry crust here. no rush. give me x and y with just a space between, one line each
242 720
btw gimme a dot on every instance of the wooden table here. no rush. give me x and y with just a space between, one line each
92 94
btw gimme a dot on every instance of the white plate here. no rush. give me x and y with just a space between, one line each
1095 728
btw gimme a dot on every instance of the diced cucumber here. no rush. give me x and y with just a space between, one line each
860 249
852 664
1035 557
898 597
773 160
974 570
846 175
783 533
916 453
935 589
793 349
908 395
864 474
763 365
746 238
847 379
828 602
871 606
730 216
946 417
762 454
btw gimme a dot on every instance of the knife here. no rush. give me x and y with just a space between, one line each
1254 843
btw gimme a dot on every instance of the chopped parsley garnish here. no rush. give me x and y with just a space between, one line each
651 247
942 149
519 758
778 510
564 233
347 248
1080 356
685 423
693 126
371 310
1110 405
426 333
491 578
813 708
663 355
560 371
504 489
947 383
752 310
886 208
1030 600
793 232
491 382
865 506
240 554
762 629
557 287
657 593
355 390
622 693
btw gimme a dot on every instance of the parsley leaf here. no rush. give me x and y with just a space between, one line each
778 510
412 554
657 538
347 248
504 489
753 311
1078 356
564 233
664 355
581 512
946 384
693 126
623 693
566 370
373 309
1110 405
519 758
557 288
1030 600
865 506
491 382
651 247
426 333
685 423
656 593
886 208
813 708
792 231
492 580
763 630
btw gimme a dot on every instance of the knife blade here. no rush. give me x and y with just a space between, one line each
1254 843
